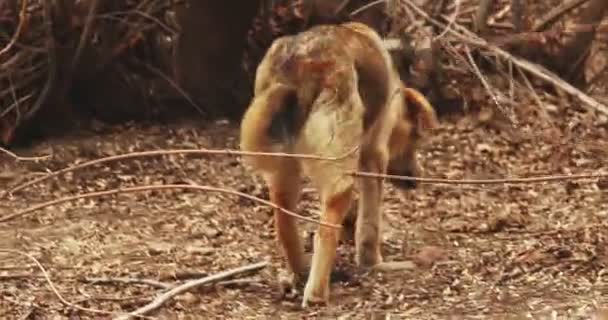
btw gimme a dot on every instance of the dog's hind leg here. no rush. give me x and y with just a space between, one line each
336 190
284 186
368 234
336 201
368 229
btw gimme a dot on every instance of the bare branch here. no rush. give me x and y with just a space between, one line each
557 12
542 179
53 62
367 6
163 298
540 72
175 86
148 282
162 187
170 152
22 18
21 158
507 113
452 21
52 285
85 35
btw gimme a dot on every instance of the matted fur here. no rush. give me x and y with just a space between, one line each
326 91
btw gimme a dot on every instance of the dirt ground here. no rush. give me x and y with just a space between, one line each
533 251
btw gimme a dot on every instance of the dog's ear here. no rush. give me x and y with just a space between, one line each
419 111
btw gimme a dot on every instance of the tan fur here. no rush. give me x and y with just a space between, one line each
324 92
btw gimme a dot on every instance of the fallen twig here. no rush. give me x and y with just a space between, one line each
175 86
543 179
52 286
163 298
170 152
238 282
506 112
365 7
148 282
162 187
550 77
451 21
21 158
556 13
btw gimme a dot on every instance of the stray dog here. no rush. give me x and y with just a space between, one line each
327 91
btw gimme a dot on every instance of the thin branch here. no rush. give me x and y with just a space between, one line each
451 22
15 98
541 179
148 282
15 37
52 62
487 86
15 106
162 187
556 13
341 7
365 7
550 77
52 285
539 102
84 36
21 158
142 154
537 70
175 86
120 16
163 298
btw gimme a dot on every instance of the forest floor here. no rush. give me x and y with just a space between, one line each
480 252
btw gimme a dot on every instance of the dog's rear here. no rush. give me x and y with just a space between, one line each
325 92
302 73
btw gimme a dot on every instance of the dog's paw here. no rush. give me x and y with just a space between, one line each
290 283
287 289
314 296
368 259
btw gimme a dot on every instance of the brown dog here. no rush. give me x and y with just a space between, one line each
325 92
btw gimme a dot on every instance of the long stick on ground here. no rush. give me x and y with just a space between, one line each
541 179
51 285
17 157
162 187
163 298
154 153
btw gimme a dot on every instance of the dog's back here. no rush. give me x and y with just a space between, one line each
314 77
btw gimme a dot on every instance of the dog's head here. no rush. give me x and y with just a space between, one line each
416 120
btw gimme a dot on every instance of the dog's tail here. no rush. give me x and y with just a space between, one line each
420 110
270 119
